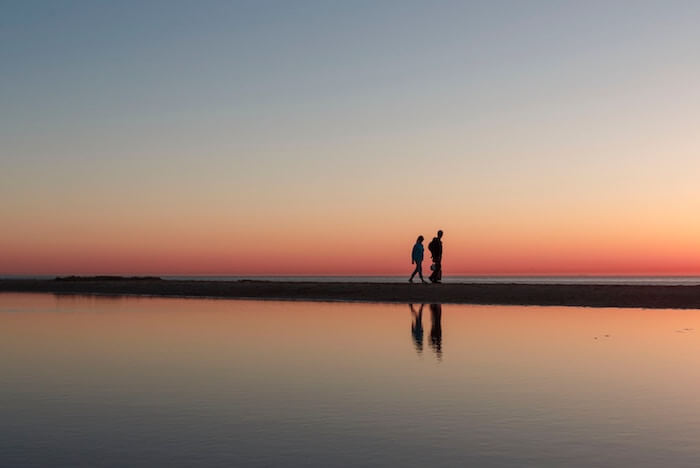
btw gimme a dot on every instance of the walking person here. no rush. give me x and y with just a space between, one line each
417 259
435 248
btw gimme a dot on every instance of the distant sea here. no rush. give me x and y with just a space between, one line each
602 280
626 280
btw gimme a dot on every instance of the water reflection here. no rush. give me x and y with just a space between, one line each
211 382
436 329
417 327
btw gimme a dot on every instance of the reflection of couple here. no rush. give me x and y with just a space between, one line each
435 248
435 328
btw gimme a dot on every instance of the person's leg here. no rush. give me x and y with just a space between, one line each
416 270
419 269
435 275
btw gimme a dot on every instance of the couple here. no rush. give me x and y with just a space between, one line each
435 248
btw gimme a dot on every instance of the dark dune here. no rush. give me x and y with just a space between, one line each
107 278
521 294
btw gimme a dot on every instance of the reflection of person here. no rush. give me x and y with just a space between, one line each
435 248
417 258
436 329
417 327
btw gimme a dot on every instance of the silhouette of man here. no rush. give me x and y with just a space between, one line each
436 329
435 248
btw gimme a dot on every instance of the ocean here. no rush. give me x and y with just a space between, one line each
623 280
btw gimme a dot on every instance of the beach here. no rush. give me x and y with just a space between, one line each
586 295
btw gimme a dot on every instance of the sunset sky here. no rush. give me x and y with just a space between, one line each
299 137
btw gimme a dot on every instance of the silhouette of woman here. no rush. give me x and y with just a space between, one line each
417 327
417 259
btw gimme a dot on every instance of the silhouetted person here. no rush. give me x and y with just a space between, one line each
417 327
435 248
436 329
417 259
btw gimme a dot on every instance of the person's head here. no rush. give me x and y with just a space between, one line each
419 240
439 234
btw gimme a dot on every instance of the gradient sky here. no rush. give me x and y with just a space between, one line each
543 137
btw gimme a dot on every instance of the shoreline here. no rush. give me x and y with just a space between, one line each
639 296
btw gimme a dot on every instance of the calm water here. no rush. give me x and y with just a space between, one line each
95 381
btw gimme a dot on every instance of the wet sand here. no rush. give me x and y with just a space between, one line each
520 294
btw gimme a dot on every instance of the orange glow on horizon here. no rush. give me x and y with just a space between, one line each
364 238
346 258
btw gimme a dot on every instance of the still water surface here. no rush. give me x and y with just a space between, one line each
98 381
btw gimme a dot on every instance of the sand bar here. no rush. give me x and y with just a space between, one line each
464 293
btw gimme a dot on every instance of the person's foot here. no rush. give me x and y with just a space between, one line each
424 281
410 280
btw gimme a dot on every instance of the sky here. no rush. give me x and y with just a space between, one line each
261 137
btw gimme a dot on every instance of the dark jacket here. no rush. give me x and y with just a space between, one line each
435 248
417 253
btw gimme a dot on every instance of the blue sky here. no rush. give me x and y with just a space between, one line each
296 111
